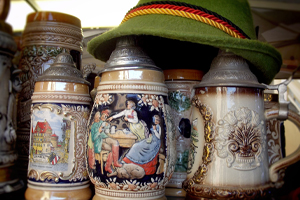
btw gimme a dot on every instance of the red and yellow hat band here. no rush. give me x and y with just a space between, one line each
187 11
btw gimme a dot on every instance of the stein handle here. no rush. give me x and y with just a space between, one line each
292 158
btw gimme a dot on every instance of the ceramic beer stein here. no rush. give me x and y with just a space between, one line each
131 137
229 156
45 35
180 84
10 86
60 111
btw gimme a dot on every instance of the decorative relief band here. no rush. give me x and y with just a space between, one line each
56 32
59 97
54 27
231 193
129 195
140 87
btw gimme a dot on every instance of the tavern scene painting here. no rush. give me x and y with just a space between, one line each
50 141
126 137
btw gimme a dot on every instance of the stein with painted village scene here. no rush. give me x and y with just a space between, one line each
60 110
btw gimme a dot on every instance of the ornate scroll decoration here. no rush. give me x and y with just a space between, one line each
32 65
79 114
49 176
33 174
208 148
239 139
274 145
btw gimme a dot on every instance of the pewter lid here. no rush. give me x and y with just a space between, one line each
228 69
63 70
128 55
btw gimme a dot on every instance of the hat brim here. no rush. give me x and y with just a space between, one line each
175 42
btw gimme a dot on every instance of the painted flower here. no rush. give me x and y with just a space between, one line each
155 184
112 184
156 102
103 99
131 185
144 99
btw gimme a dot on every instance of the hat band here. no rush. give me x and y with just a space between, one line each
187 11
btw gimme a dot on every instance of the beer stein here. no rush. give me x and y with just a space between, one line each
229 153
131 136
60 110
10 86
45 35
180 83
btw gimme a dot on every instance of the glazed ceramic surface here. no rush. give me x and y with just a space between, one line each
180 83
131 145
60 110
131 134
230 155
10 86
46 35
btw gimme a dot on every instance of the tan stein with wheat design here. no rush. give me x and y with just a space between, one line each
46 35
59 115
131 135
229 157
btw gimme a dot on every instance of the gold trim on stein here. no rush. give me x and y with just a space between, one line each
78 171
208 149
47 33
135 86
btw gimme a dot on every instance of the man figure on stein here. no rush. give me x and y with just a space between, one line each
104 142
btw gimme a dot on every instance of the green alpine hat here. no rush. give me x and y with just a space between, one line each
188 33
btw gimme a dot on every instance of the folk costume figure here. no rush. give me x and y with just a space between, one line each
136 126
145 153
101 141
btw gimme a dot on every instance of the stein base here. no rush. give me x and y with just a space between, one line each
175 192
51 194
210 192
102 197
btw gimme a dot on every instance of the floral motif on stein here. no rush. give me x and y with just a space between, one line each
129 142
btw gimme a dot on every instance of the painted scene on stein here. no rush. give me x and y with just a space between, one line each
50 140
126 141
